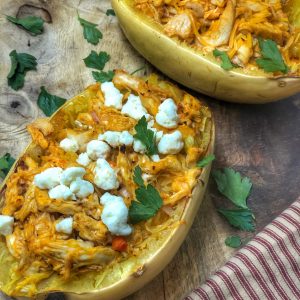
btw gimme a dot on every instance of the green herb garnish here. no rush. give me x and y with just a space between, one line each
32 24
239 218
233 241
110 12
6 162
21 63
233 186
96 61
271 59
148 200
49 103
103 76
146 136
205 161
90 32
225 60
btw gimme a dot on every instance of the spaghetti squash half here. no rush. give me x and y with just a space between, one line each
104 195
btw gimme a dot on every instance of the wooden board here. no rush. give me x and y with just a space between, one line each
262 142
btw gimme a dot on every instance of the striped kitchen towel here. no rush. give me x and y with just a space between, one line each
268 267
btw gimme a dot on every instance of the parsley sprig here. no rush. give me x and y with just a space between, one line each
6 162
148 200
103 76
237 189
21 63
90 32
32 24
146 136
205 161
233 241
271 59
225 60
97 61
49 103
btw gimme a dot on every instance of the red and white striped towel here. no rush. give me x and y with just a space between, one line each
268 267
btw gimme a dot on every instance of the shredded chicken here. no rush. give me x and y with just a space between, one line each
39 247
233 26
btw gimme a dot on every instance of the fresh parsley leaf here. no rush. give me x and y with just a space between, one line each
233 241
32 24
90 32
6 162
49 103
96 61
146 136
103 76
205 161
110 12
137 70
233 186
271 60
21 63
225 60
239 218
137 177
148 200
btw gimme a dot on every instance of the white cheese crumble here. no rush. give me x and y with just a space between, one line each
155 157
81 188
112 96
115 214
65 226
167 114
105 176
134 108
6 225
171 143
97 149
48 179
69 145
83 159
138 146
117 138
61 192
70 174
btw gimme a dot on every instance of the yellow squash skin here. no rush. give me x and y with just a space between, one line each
196 71
127 276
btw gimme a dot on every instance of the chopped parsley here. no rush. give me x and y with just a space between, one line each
96 61
271 59
21 63
233 241
49 103
148 200
233 186
6 162
205 161
110 12
239 218
225 60
146 136
90 32
103 76
32 24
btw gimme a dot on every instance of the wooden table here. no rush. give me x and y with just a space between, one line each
262 142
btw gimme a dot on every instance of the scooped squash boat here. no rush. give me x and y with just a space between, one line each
179 36
64 206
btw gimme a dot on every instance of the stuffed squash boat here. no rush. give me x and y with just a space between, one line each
236 50
104 195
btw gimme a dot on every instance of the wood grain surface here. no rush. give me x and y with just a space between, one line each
262 142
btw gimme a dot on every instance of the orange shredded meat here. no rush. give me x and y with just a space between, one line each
39 248
228 25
